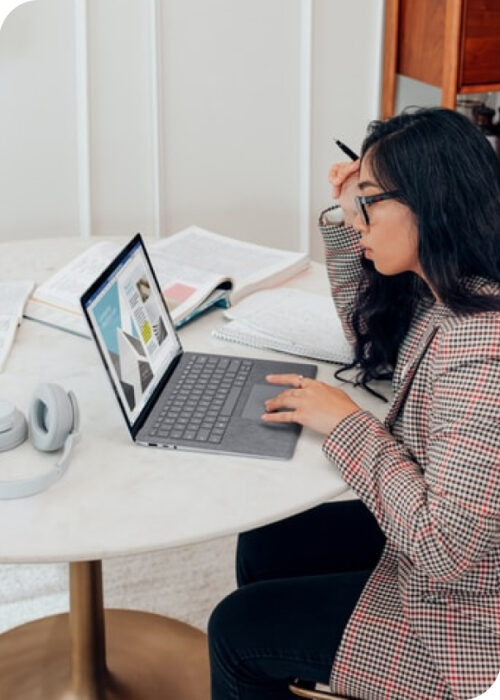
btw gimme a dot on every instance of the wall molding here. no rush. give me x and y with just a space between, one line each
82 117
306 49
158 178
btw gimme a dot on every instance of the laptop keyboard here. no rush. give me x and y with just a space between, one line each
203 399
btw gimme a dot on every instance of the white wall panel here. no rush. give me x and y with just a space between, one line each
347 45
38 141
231 74
149 115
121 159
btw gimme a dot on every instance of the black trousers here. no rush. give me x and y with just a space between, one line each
299 581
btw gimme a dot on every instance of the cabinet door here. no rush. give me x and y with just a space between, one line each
481 43
421 40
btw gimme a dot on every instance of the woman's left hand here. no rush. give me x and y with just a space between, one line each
314 404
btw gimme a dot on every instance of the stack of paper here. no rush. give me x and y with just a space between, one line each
13 296
291 321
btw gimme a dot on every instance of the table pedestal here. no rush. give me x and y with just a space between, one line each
93 654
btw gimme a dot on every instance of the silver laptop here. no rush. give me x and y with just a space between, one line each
171 398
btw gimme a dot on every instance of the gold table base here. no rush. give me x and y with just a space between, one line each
92 654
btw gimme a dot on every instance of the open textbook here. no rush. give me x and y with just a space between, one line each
291 321
196 269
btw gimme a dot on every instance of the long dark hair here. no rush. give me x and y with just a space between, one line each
449 176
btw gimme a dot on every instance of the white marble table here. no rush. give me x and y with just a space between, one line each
118 498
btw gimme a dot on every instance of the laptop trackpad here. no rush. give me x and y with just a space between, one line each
260 393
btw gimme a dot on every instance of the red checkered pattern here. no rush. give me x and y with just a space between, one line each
427 625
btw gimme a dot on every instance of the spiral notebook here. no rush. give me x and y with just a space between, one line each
288 320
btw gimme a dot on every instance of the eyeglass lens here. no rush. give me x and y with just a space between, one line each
360 206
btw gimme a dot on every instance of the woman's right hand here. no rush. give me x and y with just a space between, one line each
344 178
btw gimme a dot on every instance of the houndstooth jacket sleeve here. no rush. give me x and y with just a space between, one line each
428 623
343 266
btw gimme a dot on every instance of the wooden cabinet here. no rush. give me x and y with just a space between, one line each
452 44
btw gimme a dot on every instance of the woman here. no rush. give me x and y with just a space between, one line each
394 596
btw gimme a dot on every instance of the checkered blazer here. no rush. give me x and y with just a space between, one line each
427 625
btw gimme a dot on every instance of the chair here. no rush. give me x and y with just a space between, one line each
321 692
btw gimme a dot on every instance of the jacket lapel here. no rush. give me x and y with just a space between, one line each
474 285
408 377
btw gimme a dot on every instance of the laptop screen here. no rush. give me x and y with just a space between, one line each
132 327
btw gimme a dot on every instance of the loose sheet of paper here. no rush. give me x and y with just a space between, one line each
13 296
8 325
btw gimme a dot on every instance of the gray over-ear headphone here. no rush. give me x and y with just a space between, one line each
54 421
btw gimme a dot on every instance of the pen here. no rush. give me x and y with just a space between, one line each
345 149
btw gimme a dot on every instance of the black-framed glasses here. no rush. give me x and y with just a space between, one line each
363 202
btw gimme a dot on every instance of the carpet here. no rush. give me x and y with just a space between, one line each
185 583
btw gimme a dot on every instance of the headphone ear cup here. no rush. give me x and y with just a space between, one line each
13 426
51 417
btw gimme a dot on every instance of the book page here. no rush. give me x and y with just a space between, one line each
56 302
64 289
183 286
246 263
